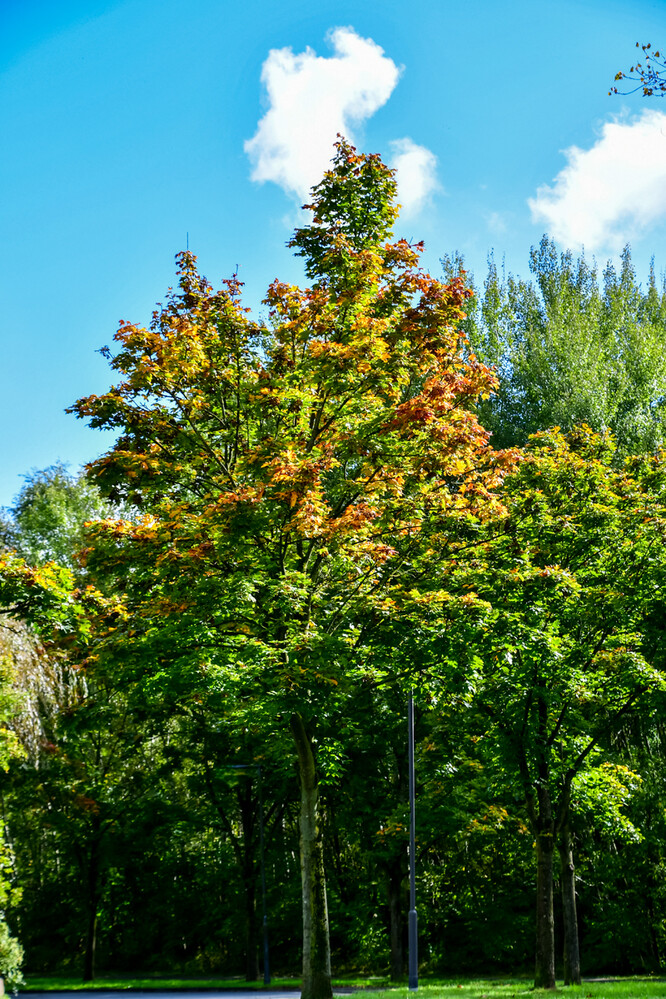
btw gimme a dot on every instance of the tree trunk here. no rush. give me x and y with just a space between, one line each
544 974
92 905
394 886
316 942
571 948
91 943
544 829
246 805
251 942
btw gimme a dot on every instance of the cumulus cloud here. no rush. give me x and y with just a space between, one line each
415 168
312 98
612 192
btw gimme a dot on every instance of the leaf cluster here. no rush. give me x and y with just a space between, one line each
649 76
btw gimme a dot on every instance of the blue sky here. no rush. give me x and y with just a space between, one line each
127 125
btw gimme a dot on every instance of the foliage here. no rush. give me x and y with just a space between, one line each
11 959
321 524
569 349
649 76
11 952
279 461
299 479
565 586
47 520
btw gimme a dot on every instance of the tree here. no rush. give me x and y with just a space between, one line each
649 76
47 520
571 349
300 480
76 730
12 651
249 788
566 586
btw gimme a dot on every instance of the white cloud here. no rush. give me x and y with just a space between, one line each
311 99
415 168
611 193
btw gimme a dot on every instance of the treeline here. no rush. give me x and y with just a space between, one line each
208 641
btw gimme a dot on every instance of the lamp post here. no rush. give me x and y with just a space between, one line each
412 921
257 767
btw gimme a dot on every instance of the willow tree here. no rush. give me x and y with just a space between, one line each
300 479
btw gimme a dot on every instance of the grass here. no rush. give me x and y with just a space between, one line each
461 988
621 988
66 983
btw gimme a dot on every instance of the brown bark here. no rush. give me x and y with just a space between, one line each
569 914
316 943
91 945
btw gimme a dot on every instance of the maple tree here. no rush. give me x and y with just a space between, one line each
300 479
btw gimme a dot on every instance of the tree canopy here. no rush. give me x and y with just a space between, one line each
301 480
570 347
212 635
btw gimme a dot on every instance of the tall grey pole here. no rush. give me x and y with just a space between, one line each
412 924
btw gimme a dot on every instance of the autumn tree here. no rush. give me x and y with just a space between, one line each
300 479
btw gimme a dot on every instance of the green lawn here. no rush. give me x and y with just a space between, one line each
377 988
626 988
55 983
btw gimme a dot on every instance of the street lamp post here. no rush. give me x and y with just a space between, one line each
412 924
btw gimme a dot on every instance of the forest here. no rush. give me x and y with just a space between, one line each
392 483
